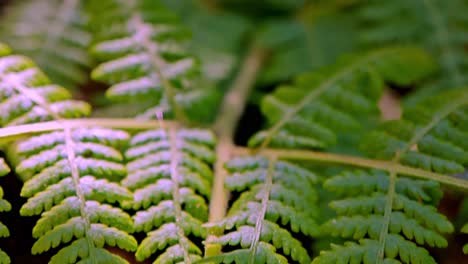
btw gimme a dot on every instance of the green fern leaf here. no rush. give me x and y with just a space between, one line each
465 230
266 253
68 173
433 24
439 147
309 113
269 197
170 174
70 207
145 58
5 206
77 250
366 252
53 33
25 86
393 207
413 218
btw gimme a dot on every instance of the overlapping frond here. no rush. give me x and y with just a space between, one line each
4 207
440 26
68 179
68 173
394 218
23 85
53 33
414 220
465 230
431 135
170 174
278 201
311 112
145 59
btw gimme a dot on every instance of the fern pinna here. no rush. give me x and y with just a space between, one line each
170 173
144 57
434 24
4 207
394 216
277 200
67 173
310 113
53 33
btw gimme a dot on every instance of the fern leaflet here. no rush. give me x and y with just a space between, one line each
311 112
4 207
389 216
62 170
145 59
169 172
268 212
53 33
437 25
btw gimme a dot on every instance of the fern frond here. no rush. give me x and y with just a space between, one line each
68 173
144 57
74 206
414 220
465 230
170 174
367 251
432 134
311 112
436 25
269 196
395 214
5 206
266 253
24 87
53 33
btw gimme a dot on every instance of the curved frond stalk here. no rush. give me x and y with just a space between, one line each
324 157
436 25
52 32
170 173
234 104
273 191
8 134
144 57
310 113
61 169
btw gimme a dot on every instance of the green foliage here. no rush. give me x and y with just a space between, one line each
4 207
170 175
394 214
296 194
278 200
431 135
309 113
65 172
25 89
66 176
145 58
52 32
437 25
465 230
361 211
